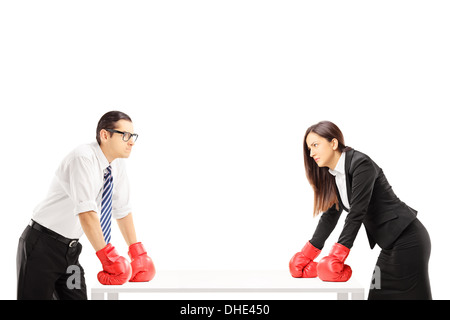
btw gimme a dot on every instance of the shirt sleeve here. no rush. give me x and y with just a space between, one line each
81 187
364 177
121 206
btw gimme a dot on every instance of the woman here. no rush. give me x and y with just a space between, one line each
346 179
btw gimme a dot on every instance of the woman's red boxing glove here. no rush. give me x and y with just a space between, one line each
332 267
302 264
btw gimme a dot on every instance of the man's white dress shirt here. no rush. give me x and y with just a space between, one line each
339 173
77 187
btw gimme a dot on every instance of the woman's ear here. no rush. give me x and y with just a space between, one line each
334 144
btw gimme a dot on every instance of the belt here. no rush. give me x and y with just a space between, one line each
70 242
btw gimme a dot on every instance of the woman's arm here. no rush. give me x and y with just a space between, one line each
364 176
326 225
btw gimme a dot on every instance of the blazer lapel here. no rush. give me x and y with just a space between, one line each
348 178
341 205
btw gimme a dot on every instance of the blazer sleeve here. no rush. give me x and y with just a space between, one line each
364 176
326 225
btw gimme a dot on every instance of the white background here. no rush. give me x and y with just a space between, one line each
221 93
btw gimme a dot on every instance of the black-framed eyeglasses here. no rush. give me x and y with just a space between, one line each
126 136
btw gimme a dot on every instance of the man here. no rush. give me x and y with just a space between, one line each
89 187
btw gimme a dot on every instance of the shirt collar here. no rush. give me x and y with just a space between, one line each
340 166
100 155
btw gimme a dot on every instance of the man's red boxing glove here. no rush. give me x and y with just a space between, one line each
116 269
141 264
302 264
332 267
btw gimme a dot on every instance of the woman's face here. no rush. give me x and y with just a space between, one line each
324 152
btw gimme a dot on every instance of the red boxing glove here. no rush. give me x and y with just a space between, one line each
116 269
141 264
332 267
302 264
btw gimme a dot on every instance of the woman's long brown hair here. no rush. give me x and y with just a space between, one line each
322 182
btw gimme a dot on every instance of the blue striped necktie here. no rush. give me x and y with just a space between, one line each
105 217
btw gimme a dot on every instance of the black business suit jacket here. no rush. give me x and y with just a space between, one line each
372 203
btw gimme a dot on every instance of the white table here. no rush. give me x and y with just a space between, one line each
230 281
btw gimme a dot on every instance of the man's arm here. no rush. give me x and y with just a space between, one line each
116 269
141 264
91 226
126 227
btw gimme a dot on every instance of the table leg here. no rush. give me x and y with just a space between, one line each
113 296
358 295
97 296
342 296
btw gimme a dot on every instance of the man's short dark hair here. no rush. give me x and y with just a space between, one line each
108 121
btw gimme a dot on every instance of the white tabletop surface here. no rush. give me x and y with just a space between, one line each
231 280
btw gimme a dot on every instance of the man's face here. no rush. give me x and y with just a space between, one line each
114 145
